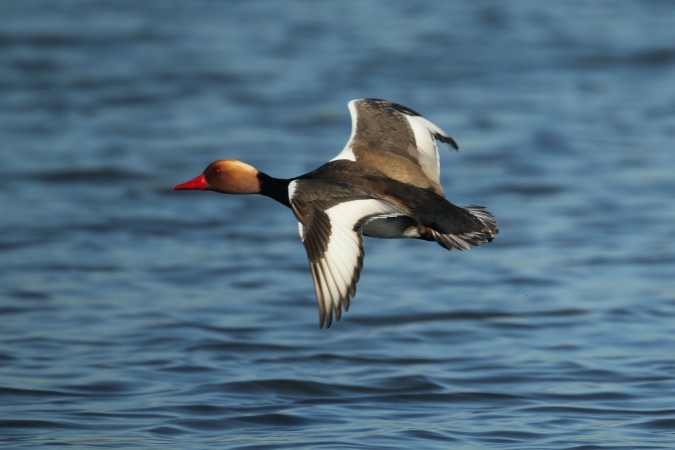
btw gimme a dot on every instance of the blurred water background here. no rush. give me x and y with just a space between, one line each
134 316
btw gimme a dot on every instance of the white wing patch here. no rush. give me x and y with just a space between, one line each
426 146
347 152
336 273
292 186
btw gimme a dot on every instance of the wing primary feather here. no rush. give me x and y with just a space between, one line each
347 272
328 282
327 293
338 279
319 295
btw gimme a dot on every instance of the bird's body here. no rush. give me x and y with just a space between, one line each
384 184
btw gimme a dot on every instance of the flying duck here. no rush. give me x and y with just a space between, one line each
383 184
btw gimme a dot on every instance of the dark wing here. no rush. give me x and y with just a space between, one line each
330 217
396 141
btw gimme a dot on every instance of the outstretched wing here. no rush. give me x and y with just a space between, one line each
330 217
396 141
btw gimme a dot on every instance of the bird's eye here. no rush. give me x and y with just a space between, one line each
216 172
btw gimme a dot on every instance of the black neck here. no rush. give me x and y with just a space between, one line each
274 188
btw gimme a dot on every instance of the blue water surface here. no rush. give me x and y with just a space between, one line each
135 316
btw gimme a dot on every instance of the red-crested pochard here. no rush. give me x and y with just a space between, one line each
384 184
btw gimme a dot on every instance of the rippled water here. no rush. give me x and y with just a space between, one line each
133 316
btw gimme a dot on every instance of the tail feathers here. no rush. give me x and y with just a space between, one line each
485 217
463 241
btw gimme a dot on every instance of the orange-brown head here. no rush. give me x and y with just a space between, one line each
228 176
